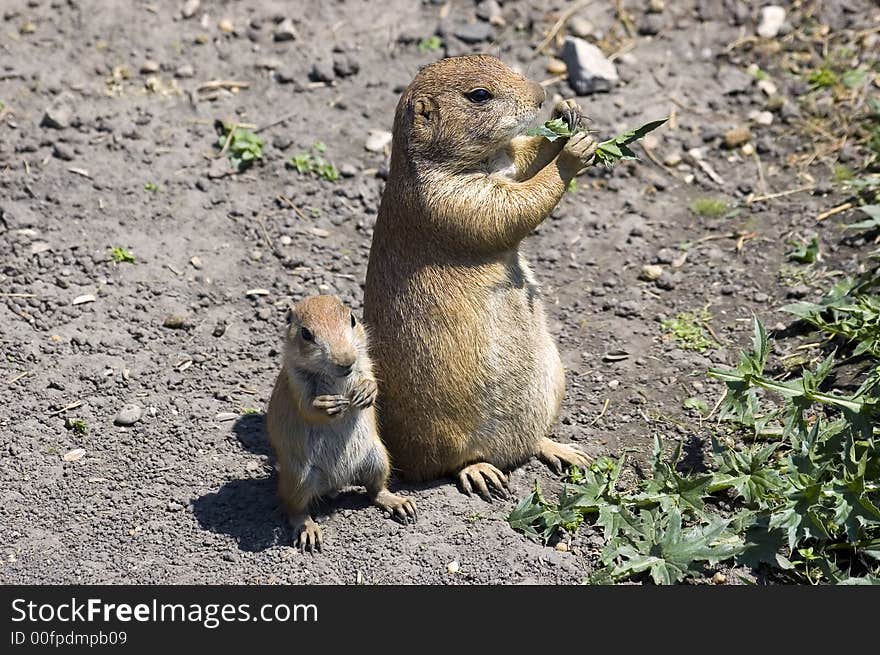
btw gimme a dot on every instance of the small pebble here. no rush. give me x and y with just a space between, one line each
74 455
377 140
453 567
580 27
190 7
651 272
149 66
184 72
225 25
772 19
562 547
737 136
129 415
174 322
672 159
719 578
556 66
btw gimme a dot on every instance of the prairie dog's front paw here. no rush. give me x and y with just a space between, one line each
364 393
570 112
580 147
331 405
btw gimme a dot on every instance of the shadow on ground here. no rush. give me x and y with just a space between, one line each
251 432
246 510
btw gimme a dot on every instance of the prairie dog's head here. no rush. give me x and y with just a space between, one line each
462 110
324 337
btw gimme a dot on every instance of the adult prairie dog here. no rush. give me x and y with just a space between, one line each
470 379
321 420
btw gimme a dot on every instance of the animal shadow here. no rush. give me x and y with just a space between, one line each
251 432
246 510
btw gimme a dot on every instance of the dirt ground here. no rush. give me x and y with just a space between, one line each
187 493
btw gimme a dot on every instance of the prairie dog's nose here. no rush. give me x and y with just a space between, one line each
345 363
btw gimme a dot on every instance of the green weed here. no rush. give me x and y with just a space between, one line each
121 255
709 207
241 146
687 328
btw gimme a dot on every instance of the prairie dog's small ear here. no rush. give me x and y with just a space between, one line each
424 107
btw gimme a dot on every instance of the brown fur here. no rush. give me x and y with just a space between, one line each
321 420
470 379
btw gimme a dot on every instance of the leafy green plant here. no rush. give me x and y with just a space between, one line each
307 163
152 187
687 328
610 151
430 44
607 152
241 146
822 78
78 426
805 253
871 223
121 255
709 207
849 311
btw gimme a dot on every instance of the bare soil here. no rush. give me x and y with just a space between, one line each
187 493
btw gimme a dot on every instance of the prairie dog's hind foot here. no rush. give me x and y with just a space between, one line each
486 478
559 455
307 535
400 508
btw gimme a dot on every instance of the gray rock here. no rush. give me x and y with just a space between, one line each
666 281
16 217
129 415
348 170
580 27
345 65
377 140
710 10
269 63
185 71
733 80
62 152
664 256
59 114
284 31
190 7
473 32
322 71
589 71
652 24
772 20
489 10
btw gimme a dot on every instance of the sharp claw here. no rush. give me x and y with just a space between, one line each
465 484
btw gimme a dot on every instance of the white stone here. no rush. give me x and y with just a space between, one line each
377 140
772 18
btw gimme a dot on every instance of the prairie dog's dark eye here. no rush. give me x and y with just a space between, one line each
353 321
307 334
478 96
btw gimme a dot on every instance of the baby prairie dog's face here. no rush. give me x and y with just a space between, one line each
324 337
465 109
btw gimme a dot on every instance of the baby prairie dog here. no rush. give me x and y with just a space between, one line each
321 420
470 378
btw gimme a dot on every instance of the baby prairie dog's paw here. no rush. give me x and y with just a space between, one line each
581 147
402 509
572 114
331 405
364 393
